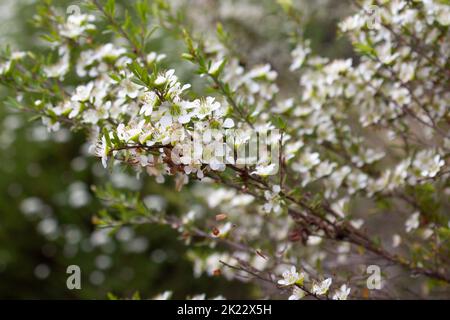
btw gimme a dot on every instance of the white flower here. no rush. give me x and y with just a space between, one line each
428 163
149 99
297 293
154 57
396 240
146 109
274 201
166 78
356 181
340 207
262 71
5 67
265 170
314 240
59 69
228 123
291 277
307 161
401 96
206 107
342 293
385 54
82 93
357 223
92 116
130 132
443 15
51 124
413 222
76 24
321 288
102 150
163 296
199 297
352 23
128 88
18 55
299 55
407 71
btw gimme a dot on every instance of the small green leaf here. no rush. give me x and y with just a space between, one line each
110 7
279 123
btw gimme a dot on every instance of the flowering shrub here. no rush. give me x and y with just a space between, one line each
347 169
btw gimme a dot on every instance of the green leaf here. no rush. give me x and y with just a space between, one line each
110 7
115 77
107 138
136 296
111 296
365 49
142 10
279 122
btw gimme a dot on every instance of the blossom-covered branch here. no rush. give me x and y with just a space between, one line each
298 173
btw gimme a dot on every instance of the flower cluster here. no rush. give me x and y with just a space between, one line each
295 280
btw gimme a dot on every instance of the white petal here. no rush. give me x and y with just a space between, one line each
228 123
